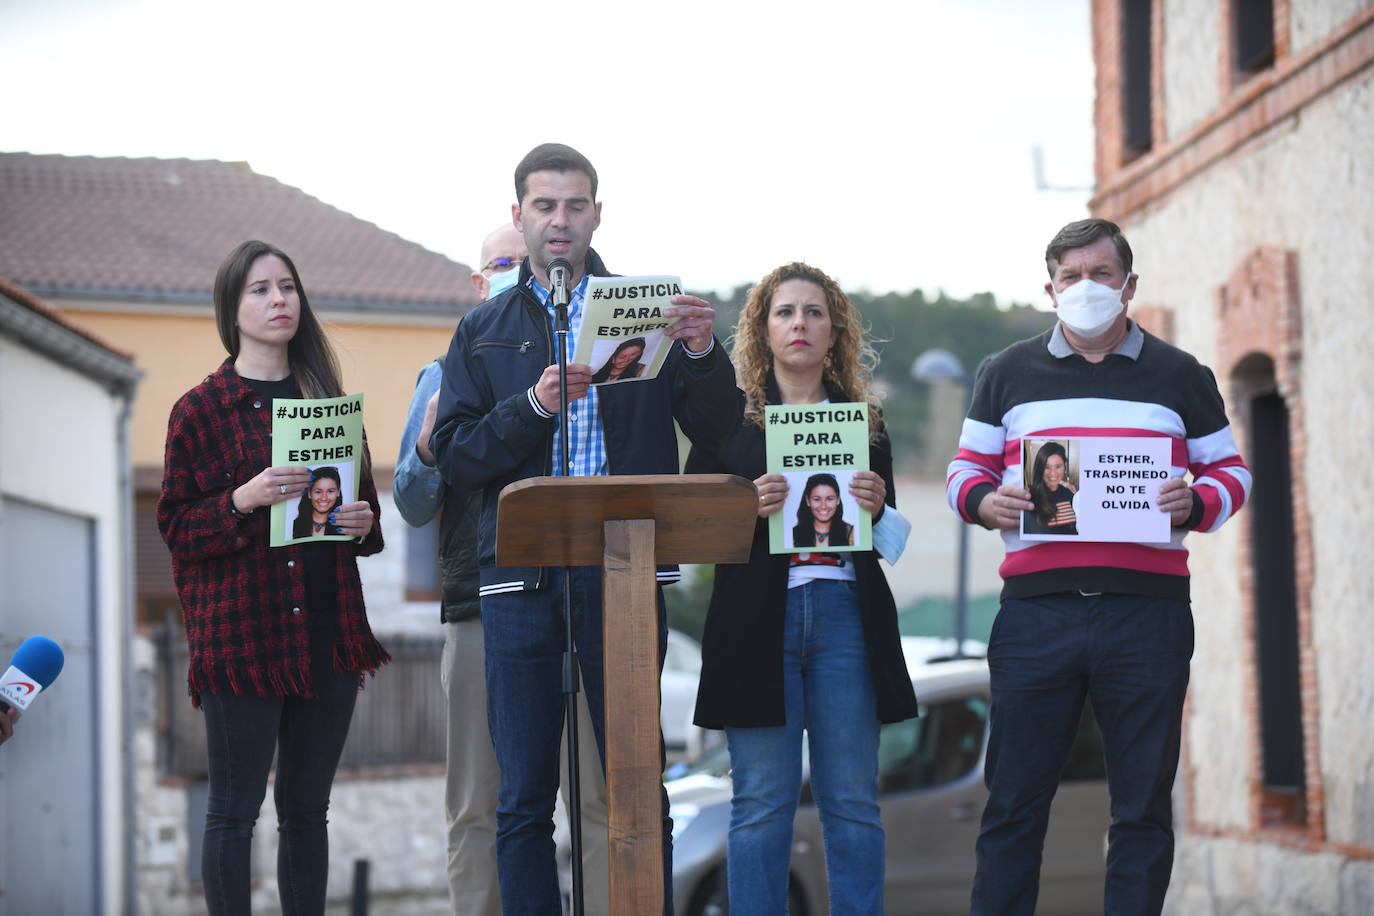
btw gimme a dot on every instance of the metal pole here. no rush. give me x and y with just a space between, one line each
961 593
360 870
569 651
961 585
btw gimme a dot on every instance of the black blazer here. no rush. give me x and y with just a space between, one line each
741 647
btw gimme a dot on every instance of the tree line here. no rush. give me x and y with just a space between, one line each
903 326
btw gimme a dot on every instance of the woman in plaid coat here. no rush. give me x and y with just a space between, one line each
278 637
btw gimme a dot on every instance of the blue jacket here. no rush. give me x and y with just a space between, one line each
419 491
488 434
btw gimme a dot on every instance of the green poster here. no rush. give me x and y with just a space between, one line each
818 447
325 435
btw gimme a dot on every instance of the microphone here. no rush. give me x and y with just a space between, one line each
560 273
35 665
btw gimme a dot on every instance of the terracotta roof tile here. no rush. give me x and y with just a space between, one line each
21 296
157 229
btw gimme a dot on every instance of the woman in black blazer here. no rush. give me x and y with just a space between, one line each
807 640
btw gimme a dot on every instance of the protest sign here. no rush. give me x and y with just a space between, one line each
1096 488
818 447
325 435
621 336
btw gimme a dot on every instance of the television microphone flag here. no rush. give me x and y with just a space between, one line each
35 665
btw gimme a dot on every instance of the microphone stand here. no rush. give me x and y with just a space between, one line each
560 326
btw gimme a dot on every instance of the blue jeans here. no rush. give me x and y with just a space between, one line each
1129 654
523 634
828 690
308 735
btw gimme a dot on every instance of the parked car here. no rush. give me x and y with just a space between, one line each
678 688
932 795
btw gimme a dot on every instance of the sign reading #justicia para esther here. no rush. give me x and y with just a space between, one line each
622 327
818 448
325 435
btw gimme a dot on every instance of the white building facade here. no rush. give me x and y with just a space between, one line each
65 776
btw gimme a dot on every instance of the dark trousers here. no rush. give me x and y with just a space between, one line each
1130 654
308 734
523 635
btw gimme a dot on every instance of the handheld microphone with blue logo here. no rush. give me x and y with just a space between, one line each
35 665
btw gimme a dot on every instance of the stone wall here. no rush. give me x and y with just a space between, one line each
1192 34
1254 186
1311 21
1233 877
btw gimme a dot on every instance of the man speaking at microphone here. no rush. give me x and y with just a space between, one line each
498 423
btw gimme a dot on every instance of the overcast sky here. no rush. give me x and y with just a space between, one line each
889 144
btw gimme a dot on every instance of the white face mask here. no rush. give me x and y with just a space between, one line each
1088 308
500 282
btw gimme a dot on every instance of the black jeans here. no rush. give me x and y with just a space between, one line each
308 734
1129 654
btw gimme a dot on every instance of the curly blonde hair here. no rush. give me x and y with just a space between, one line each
849 364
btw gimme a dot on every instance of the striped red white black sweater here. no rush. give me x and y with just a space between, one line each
1146 388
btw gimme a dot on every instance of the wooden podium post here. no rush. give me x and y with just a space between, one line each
628 525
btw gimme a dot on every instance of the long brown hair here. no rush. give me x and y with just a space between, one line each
1045 508
309 354
849 364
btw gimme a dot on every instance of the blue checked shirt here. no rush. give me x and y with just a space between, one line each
586 444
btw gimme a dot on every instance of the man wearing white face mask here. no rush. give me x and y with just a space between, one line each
1106 621
472 776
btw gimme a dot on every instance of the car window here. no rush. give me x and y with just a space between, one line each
942 744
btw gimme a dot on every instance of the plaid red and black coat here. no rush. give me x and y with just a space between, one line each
243 602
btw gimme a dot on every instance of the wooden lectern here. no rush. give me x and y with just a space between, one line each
628 525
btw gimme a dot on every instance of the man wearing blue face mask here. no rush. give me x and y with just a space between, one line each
1109 621
472 776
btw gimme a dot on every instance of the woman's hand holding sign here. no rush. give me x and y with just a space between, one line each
772 491
272 485
869 491
353 519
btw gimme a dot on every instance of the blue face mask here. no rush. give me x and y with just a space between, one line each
500 282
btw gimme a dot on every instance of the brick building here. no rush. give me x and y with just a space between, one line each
1233 146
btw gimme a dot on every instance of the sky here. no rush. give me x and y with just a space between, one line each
889 144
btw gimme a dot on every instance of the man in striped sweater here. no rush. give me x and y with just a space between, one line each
1107 620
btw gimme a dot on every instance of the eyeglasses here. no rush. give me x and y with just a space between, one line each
497 265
